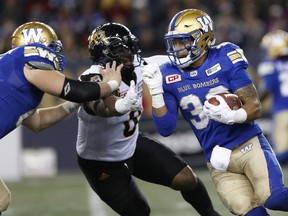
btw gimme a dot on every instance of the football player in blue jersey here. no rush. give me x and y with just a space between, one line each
242 165
29 71
33 67
119 151
273 69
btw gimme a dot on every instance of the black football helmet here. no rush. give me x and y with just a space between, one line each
114 42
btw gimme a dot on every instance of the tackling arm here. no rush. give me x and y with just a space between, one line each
103 107
164 120
55 83
114 106
43 118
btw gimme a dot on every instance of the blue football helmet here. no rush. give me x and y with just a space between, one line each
38 32
190 30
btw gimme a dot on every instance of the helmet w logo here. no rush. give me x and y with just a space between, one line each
206 23
32 35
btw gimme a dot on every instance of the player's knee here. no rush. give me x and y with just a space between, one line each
278 200
5 200
260 210
137 207
185 180
262 196
240 205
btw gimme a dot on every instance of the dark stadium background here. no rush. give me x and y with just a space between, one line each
243 22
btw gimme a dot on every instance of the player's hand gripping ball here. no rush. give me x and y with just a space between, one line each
232 100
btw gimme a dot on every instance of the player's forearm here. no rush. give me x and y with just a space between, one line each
164 122
251 102
253 110
103 107
159 112
47 117
55 83
107 88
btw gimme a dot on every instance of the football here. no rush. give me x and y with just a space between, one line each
231 99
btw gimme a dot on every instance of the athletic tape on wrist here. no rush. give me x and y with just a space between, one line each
120 107
240 116
158 101
114 85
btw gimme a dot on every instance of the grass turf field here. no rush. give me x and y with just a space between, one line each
68 194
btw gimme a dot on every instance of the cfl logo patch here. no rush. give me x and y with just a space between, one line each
173 78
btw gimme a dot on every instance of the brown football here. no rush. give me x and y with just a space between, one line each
231 99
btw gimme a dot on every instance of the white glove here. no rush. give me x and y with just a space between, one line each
153 78
130 102
222 112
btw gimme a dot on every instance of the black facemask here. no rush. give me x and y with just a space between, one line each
128 74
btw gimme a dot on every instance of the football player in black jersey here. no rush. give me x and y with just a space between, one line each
110 159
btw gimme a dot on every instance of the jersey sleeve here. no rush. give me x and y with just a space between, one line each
166 124
234 55
39 56
237 65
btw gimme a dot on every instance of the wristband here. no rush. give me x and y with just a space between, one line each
240 116
70 107
120 106
114 85
158 101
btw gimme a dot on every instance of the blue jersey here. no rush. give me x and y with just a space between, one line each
224 70
275 77
18 97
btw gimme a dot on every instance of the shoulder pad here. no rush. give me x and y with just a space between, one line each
42 57
40 65
233 52
91 74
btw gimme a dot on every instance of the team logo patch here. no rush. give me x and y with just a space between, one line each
247 148
214 69
67 89
32 35
104 176
173 78
193 73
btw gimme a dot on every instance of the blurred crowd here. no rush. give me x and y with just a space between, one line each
243 22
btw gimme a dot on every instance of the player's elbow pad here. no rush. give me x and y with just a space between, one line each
76 91
166 125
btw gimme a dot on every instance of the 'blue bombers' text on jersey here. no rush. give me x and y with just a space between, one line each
224 70
18 97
